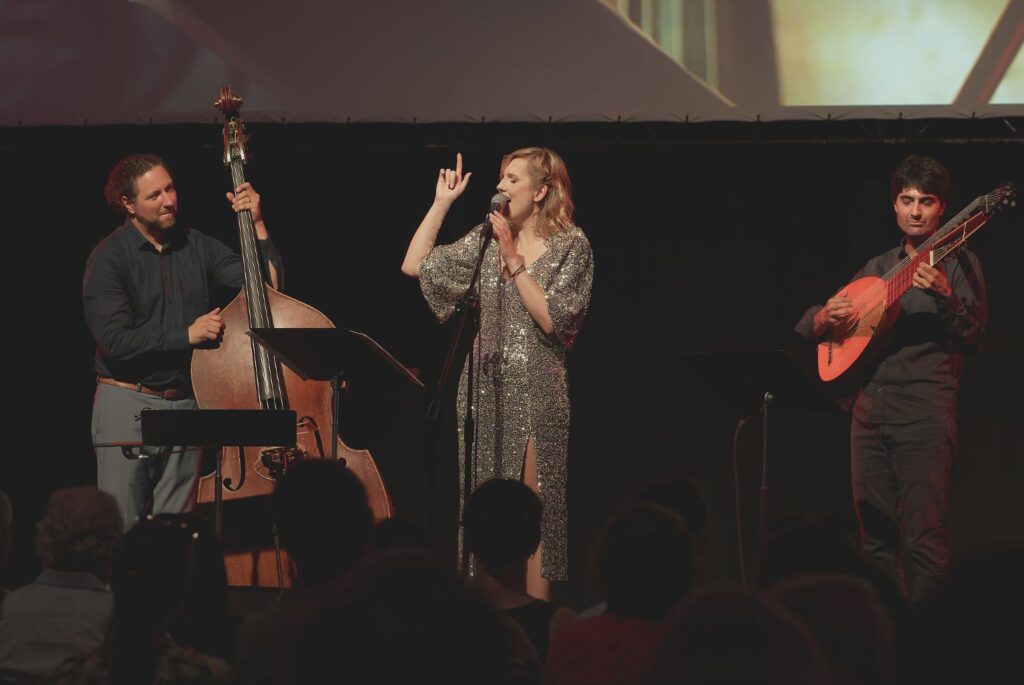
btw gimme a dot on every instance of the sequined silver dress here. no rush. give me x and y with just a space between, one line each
520 389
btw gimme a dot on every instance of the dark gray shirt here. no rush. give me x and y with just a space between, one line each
139 302
912 370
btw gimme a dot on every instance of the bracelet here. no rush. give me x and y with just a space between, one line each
521 269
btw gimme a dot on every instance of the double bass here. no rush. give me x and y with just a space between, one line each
239 373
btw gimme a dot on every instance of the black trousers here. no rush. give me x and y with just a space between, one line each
901 482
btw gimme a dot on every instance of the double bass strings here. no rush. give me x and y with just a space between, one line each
258 306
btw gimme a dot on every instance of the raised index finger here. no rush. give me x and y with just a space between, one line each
458 164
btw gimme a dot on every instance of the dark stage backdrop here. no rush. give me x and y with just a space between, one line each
705 236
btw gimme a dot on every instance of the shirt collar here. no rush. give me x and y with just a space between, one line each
73 579
139 242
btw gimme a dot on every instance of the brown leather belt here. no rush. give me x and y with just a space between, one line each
169 394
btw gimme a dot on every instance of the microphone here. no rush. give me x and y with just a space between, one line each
498 203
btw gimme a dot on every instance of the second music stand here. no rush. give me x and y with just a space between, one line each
327 354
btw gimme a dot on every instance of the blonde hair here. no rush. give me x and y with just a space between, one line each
547 168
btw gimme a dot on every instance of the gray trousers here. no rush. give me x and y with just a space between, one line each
164 479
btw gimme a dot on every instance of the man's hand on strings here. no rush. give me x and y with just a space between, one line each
931 279
246 197
839 313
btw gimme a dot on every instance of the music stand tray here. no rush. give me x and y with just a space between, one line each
217 428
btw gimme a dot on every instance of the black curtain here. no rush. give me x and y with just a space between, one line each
706 237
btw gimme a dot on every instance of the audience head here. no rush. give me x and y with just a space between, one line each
851 625
645 563
809 545
397 534
726 634
824 545
79 531
970 629
154 566
203 620
404 618
323 518
502 524
681 496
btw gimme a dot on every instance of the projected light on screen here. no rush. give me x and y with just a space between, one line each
881 52
1011 90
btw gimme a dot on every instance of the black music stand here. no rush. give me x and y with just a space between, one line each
217 428
327 354
749 380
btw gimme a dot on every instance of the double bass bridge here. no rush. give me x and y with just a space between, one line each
274 461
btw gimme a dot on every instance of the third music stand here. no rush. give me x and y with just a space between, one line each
751 380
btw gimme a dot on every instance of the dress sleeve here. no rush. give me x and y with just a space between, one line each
445 273
568 294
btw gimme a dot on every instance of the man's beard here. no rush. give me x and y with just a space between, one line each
158 226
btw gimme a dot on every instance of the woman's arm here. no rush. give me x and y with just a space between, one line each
450 185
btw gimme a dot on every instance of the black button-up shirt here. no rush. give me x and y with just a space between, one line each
912 370
139 302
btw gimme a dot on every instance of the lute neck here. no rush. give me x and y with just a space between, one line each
900 277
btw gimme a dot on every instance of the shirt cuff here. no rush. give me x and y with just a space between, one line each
270 254
178 339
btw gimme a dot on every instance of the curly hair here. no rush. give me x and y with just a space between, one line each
923 173
79 530
547 168
121 182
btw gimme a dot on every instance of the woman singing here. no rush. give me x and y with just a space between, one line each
534 290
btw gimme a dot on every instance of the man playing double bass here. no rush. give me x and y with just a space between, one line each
146 294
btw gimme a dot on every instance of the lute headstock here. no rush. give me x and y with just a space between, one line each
976 215
1003 197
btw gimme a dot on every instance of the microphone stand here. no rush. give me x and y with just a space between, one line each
468 310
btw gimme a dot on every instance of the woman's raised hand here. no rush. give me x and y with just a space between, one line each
451 182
